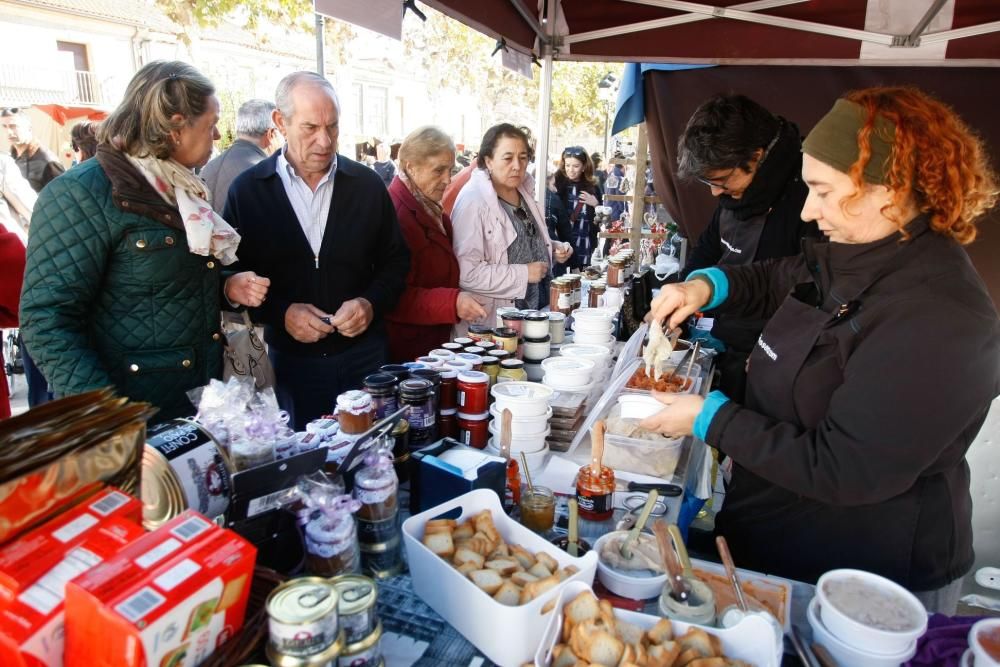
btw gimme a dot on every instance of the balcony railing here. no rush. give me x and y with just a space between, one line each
26 84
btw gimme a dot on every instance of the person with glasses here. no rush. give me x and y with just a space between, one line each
750 159
580 193
850 447
501 241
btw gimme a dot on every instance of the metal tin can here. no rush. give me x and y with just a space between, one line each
356 605
382 560
302 616
327 658
366 652
183 467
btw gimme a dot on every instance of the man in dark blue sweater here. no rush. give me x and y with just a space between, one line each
323 229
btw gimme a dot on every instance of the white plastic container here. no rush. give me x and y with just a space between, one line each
536 460
749 641
523 399
593 326
521 443
472 612
573 389
603 339
600 355
636 585
865 637
847 655
557 327
533 371
524 426
569 371
638 406
593 315
981 657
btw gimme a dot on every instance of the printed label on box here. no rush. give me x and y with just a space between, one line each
176 575
158 553
109 503
191 528
140 604
75 527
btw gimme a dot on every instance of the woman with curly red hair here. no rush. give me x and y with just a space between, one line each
879 362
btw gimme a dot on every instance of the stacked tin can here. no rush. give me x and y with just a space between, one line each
304 623
361 626
376 487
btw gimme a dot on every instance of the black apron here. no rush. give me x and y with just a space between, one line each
739 238
775 530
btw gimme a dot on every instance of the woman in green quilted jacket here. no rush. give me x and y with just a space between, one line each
123 279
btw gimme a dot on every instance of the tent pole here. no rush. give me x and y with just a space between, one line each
639 191
544 111
320 28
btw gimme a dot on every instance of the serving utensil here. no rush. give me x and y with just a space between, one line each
734 578
823 656
679 589
597 447
805 655
626 546
527 475
664 489
573 547
682 552
506 417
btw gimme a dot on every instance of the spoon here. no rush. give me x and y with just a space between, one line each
626 547
573 546
734 578
597 448
505 432
679 589
682 552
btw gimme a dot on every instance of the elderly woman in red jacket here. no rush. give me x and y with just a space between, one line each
432 302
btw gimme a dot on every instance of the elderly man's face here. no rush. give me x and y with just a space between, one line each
312 131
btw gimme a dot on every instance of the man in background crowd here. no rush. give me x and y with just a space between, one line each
37 164
383 163
256 138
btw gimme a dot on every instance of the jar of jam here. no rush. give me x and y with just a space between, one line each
458 365
418 394
616 272
507 337
557 328
501 311
500 355
512 370
464 342
429 361
442 354
377 489
452 347
576 283
399 370
473 392
331 540
595 297
491 366
448 394
513 320
474 360
434 377
538 509
401 450
384 390
537 350
447 423
561 296
536 324
480 332
594 493
487 346
355 412
475 349
474 429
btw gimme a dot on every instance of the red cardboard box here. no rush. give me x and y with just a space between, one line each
29 557
168 599
31 625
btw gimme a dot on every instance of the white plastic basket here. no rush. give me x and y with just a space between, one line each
472 612
750 640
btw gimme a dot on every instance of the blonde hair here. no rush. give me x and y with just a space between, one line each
423 143
142 123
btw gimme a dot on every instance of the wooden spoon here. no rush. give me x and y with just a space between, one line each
734 578
572 538
626 547
506 417
597 447
678 587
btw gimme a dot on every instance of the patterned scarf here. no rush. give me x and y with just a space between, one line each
206 231
433 208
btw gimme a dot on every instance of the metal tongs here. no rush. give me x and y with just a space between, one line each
379 430
691 352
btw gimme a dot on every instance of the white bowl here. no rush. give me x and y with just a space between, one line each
598 353
536 460
569 371
523 399
524 426
633 586
865 637
602 339
981 657
638 406
847 655
569 389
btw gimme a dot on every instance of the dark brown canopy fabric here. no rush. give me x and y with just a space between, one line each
803 95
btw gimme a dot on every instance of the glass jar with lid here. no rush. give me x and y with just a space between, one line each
512 370
418 394
384 390
355 412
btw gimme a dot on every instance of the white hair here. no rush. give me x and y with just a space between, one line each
253 119
283 95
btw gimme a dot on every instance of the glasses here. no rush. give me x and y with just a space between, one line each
721 185
575 151
10 111
522 215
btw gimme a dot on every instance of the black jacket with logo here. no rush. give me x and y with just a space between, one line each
872 475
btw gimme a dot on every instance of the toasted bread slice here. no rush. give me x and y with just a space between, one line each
550 563
523 556
708 662
440 543
488 580
523 578
467 555
539 570
660 633
463 531
434 524
563 656
687 656
582 608
606 649
699 640
467 568
536 588
502 551
508 594
505 566
628 633
663 655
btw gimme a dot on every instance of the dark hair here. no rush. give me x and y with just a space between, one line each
497 132
724 133
596 158
144 118
83 137
577 153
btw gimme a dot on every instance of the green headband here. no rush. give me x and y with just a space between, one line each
834 140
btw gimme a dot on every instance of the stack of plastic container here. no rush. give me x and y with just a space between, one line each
530 410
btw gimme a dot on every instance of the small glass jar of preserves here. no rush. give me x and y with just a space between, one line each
399 370
473 392
513 320
500 355
475 349
595 492
575 283
501 311
418 394
474 429
491 366
512 370
561 296
507 337
464 342
475 360
538 509
487 346
376 487
429 361
355 412
536 324
442 354
448 424
616 272
595 297
557 328
452 347
448 397
434 377
331 540
537 350
480 333
384 390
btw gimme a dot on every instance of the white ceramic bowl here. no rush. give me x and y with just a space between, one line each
569 371
600 354
523 399
638 406
536 459
569 389
865 637
847 655
981 657
524 426
603 339
628 585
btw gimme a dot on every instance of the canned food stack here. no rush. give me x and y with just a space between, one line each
528 403
376 488
362 629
